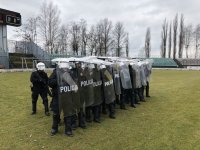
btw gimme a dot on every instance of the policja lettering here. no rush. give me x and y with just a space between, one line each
86 83
68 88
108 83
98 83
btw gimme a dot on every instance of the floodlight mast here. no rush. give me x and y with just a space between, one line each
10 18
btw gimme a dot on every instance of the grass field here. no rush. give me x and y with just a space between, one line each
169 120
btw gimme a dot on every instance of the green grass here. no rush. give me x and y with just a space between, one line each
169 120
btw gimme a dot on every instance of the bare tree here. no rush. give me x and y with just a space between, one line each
197 40
63 39
161 48
175 26
49 25
188 32
75 37
84 36
107 40
92 41
127 44
170 41
119 37
164 38
28 31
147 46
181 37
100 39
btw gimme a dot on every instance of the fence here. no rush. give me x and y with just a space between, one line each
29 48
189 62
4 60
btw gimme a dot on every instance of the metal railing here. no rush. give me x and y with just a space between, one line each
26 47
4 60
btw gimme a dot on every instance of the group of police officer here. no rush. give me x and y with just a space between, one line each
86 87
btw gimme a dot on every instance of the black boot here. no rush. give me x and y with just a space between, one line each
88 114
81 119
147 90
141 96
96 114
117 99
74 122
103 106
122 101
135 93
56 120
132 102
33 108
68 128
51 105
132 98
46 108
111 111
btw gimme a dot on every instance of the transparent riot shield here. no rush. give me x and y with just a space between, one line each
67 87
137 75
133 76
97 87
116 78
142 75
108 87
86 84
125 77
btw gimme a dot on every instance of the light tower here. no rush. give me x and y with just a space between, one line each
6 18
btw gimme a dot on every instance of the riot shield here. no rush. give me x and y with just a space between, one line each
82 78
86 84
125 77
67 89
75 95
108 87
142 75
137 76
97 87
116 78
148 70
133 76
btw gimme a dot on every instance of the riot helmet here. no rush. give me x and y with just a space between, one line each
40 66
63 65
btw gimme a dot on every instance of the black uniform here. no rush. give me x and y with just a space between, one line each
55 102
98 98
81 114
55 107
39 80
133 81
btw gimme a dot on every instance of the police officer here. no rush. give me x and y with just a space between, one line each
39 81
55 104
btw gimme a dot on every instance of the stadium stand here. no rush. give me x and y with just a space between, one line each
164 63
189 62
15 60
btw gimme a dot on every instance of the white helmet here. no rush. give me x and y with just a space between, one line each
40 66
121 64
91 66
102 66
83 65
63 65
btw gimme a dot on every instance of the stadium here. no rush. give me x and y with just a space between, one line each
168 118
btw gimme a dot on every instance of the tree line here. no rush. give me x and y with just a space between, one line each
179 40
74 38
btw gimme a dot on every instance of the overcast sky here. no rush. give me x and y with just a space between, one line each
136 15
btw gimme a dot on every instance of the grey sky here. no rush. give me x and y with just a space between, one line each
136 15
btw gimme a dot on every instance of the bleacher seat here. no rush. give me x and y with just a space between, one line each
189 62
164 63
